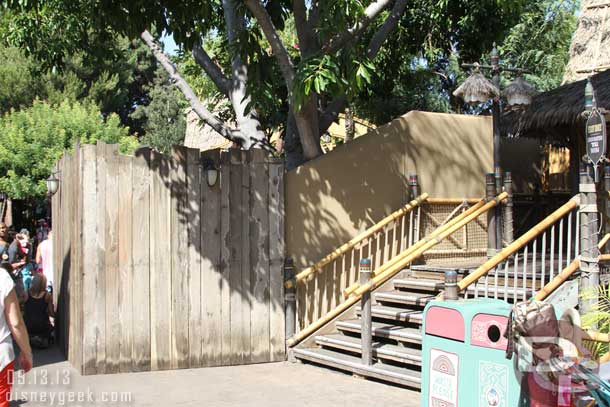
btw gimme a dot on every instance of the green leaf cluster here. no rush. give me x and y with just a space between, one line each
33 138
598 319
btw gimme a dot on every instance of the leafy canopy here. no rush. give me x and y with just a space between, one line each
32 139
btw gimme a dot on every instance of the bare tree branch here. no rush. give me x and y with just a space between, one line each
264 20
188 93
338 41
211 69
386 28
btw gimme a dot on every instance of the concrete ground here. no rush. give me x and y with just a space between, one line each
54 383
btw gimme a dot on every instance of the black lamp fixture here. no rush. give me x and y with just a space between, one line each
52 184
211 172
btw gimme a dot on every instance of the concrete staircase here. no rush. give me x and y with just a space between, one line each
397 311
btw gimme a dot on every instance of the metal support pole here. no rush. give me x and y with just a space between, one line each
290 299
366 333
508 209
496 107
589 226
451 287
490 193
498 210
415 192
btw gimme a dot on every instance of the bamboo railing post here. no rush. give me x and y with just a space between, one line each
414 186
366 334
290 299
508 209
498 209
589 255
490 193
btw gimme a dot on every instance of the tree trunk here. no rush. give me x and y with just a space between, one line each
245 117
293 149
350 126
309 132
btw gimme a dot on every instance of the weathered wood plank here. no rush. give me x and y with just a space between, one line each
160 280
141 260
99 311
240 336
193 213
179 255
64 289
277 321
90 259
113 324
259 233
246 269
76 273
125 262
225 255
213 286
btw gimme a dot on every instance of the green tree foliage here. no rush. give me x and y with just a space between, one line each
540 41
164 117
19 84
33 138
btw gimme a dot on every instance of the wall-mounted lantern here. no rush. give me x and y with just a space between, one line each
52 184
211 172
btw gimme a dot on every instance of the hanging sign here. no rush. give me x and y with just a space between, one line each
595 133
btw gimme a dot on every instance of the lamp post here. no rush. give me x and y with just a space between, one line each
477 89
52 187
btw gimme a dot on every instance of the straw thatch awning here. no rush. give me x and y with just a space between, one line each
559 108
590 47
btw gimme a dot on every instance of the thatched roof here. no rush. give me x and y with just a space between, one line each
591 41
557 108
476 89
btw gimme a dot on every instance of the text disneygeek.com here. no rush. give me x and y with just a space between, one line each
73 398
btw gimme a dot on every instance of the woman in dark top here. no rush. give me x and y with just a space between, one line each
37 310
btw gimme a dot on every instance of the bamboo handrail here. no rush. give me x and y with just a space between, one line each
452 201
380 279
566 273
348 291
359 238
519 243
593 336
391 272
604 359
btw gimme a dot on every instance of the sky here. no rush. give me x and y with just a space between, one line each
169 45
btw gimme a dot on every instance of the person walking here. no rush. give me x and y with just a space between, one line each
44 259
4 239
11 323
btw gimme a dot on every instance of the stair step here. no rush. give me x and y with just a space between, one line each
441 269
400 297
383 330
436 286
384 351
389 373
419 284
396 314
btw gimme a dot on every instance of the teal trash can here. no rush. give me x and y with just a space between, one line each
464 355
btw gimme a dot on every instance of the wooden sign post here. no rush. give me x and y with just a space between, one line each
595 133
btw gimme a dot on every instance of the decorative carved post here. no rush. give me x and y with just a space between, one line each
606 222
589 253
366 333
415 192
508 209
490 193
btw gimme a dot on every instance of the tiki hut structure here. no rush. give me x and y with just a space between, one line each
555 118
590 49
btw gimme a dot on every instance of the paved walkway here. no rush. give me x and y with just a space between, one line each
54 383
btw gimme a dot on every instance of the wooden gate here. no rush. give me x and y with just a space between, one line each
158 270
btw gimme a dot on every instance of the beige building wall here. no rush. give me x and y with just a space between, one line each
330 199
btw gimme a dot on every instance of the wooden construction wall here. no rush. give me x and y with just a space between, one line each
158 270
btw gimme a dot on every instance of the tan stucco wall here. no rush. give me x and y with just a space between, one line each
330 199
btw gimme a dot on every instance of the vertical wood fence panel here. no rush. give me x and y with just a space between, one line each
156 269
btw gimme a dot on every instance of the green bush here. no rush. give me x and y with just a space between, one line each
33 139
